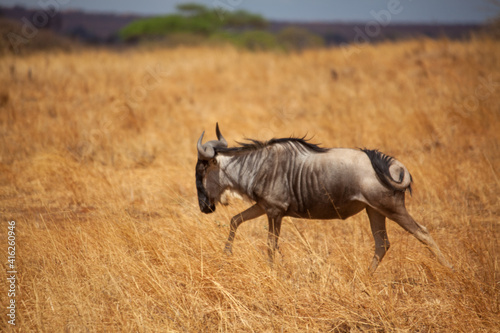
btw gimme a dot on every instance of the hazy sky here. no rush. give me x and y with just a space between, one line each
431 11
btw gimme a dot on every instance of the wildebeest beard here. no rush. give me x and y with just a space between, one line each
205 205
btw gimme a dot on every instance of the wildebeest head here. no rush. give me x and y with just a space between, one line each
206 167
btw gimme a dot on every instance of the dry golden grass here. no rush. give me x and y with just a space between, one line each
97 159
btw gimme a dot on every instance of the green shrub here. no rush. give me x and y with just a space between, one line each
192 18
165 25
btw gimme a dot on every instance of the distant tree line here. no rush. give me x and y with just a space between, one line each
196 24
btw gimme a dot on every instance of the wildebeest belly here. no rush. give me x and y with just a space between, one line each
328 210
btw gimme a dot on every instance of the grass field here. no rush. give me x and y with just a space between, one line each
97 158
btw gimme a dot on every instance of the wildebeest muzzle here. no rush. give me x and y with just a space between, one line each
206 206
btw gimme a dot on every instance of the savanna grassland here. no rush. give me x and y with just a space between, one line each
97 158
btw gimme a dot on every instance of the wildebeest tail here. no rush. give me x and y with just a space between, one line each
392 173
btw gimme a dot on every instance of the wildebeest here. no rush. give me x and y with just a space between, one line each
293 177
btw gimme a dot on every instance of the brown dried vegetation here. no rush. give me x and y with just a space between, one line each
97 159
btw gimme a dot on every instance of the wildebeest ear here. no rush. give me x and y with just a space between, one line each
219 135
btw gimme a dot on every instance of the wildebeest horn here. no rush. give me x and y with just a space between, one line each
205 152
219 135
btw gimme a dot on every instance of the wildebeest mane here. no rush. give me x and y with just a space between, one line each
381 164
254 145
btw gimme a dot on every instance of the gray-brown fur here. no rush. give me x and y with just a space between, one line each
292 177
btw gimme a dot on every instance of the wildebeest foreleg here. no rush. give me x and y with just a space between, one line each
377 223
249 214
273 236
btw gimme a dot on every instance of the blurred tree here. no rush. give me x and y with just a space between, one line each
244 20
193 18
191 9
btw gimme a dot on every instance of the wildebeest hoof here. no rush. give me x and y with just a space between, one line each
228 251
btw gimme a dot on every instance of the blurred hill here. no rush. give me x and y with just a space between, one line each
17 38
102 28
338 33
88 27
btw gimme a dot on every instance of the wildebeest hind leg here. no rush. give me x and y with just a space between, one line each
420 232
249 214
377 224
